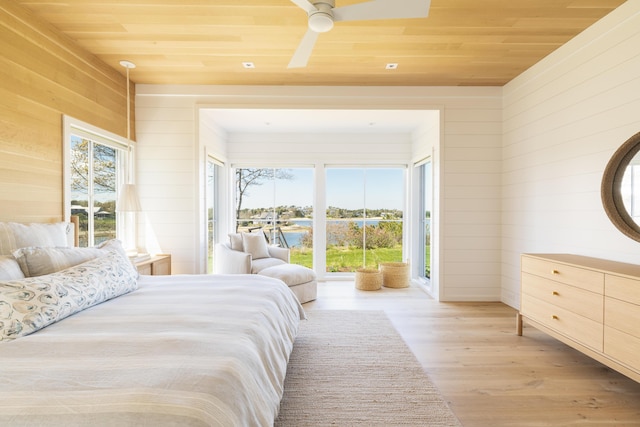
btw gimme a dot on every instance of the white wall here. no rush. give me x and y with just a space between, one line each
167 177
563 119
469 170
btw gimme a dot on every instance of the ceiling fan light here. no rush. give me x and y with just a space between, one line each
320 22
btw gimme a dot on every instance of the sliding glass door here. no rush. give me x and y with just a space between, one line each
213 174
364 224
279 203
426 196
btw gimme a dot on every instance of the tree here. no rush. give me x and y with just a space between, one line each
104 167
249 177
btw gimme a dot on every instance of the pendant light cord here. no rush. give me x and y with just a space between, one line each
127 178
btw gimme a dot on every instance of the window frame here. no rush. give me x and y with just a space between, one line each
365 168
212 194
125 224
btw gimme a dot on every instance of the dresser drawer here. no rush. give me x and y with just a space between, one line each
578 328
622 316
622 288
575 276
577 300
622 347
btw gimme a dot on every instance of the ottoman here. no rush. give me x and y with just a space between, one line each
301 280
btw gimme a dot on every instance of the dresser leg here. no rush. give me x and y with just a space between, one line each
519 324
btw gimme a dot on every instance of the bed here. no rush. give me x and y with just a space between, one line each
182 350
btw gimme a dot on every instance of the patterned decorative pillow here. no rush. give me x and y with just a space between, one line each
9 268
14 235
255 244
30 304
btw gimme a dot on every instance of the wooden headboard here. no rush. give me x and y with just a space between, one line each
75 220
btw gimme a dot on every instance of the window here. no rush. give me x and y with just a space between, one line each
279 203
213 209
95 162
364 225
424 171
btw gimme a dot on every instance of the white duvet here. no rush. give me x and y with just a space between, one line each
183 350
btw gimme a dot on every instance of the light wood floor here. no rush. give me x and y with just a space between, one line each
490 376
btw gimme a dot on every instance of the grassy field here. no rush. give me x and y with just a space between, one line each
343 259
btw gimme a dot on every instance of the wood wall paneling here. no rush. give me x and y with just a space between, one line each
43 76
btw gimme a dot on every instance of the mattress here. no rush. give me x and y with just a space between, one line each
182 350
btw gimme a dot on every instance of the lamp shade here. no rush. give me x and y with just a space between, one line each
128 201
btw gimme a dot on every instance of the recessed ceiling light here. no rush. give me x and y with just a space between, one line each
248 65
391 66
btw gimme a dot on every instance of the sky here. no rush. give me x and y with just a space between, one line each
346 188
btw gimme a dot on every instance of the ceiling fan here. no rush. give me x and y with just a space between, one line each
323 13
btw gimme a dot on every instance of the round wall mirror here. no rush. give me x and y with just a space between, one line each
620 190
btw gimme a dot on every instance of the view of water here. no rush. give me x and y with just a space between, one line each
294 238
308 222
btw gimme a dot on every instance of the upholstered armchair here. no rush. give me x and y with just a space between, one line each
247 253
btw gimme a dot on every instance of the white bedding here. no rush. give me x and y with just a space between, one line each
182 350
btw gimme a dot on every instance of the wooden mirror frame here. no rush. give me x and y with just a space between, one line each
610 189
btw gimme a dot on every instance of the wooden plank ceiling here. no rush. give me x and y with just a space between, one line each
460 43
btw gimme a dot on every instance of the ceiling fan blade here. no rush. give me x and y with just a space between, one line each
382 9
304 4
303 52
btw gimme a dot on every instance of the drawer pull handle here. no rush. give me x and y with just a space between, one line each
556 293
554 317
555 272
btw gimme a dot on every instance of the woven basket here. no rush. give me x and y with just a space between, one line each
368 279
395 274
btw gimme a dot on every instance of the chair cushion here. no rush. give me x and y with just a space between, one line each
255 244
235 241
291 274
257 265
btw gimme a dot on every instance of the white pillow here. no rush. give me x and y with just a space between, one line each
38 261
30 304
9 268
255 244
235 240
14 235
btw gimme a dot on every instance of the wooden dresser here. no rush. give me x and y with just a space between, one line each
591 304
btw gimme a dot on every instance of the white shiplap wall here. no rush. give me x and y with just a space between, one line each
563 119
468 155
166 177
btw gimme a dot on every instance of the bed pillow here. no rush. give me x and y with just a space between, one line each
255 244
33 303
235 241
14 235
9 268
38 261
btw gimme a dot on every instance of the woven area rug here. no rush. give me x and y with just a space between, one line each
352 368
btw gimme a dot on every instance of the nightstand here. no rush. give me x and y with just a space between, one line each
157 265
